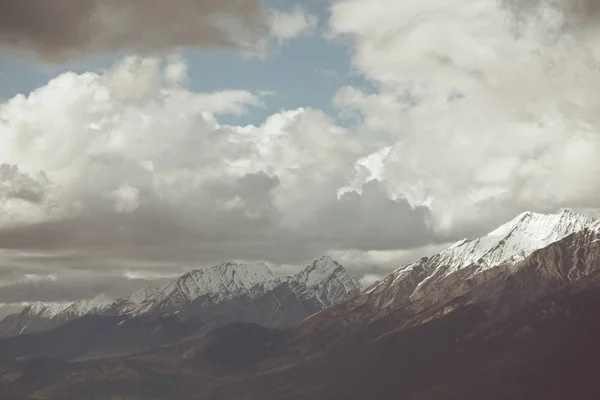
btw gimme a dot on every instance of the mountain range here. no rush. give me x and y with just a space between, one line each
197 302
509 315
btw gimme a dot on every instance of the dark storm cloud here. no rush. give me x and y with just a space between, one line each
60 30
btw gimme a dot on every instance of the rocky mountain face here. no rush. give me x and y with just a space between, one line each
197 302
319 286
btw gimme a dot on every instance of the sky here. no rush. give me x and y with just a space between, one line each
141 139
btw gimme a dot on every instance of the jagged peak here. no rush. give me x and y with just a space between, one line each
224 279
45 309
84 307
515 239
78 308
230 267
566 220
595 227
319 271
139 296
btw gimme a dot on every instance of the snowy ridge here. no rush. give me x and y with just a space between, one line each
318 272
514 240
224 280
321 284
595 227
138 297
85 307
47 310
329 281
509 243
66 310
324 279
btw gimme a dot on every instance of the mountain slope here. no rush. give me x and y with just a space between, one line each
476 259
228 286
42 317
527 331
280 302
547 351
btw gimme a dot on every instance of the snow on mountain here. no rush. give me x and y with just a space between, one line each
84 307
44 316
509 243
278 302
229 288
325 279
514 240
224 280
47 310
66 310
127 304
329 281
317 272
141 295
595 227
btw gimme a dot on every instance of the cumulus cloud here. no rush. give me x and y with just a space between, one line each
485 108
61 30
289 25
127 173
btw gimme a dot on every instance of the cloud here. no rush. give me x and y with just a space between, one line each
477 110
370 220
64 30
290 25
486 108
68 289
368 280
127 173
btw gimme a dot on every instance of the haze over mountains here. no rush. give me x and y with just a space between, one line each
500 306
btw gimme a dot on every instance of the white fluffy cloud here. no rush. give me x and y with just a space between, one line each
102 170
487 107
289 25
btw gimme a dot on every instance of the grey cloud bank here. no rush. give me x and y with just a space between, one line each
62 30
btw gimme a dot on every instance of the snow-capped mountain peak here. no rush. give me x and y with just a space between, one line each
319 271
73 309
141 295
84 307
514 240
46 310
328 280
225 292
509 243
224 280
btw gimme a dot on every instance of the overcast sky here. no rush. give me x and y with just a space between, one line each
140 139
